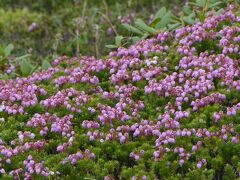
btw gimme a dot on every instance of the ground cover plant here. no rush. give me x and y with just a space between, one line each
166 107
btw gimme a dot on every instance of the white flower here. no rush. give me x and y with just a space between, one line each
21 137
32 135
2 107
148 62
155 58
154 61
2 120
2 171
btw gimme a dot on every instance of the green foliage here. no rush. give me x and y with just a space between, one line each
5 52
26 68
165 19
118 42
229 172
45 65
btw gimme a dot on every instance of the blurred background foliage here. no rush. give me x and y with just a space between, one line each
38 31
72 27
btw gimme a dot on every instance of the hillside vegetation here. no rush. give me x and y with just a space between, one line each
166 107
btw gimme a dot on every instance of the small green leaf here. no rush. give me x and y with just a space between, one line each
118 40
145 36
25 67
175 19
3 61
220 11
200 3
85 37
165 20
187 10
215 4
135 39
132 29
46 65
174 26
1 58
141 24
155 22
23 57
161 12
34 68
188 20
8 50
4 76
111 46
192 15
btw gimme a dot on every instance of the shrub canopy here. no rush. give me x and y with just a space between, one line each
166 107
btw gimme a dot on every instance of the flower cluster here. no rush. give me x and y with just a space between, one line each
201 163
136 155
127 19
59 125
74 158
64 146
31 167
90 124
64 98
16 95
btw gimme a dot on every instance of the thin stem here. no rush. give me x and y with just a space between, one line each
109 22
84 8
96 40
78 47
106 6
